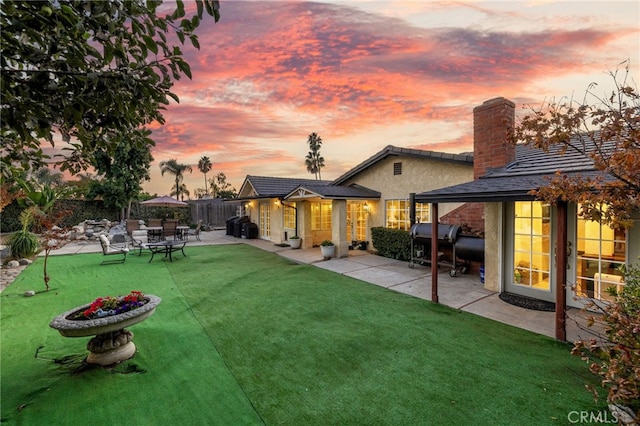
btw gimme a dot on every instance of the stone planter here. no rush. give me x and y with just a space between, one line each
112 343
295 243
328 251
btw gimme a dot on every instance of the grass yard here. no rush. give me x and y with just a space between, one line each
244 337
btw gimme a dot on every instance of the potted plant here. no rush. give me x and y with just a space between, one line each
295 242
328 249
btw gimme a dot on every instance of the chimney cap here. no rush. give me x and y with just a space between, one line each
494 102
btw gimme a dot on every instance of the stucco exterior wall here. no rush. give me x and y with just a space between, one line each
418 175
493 246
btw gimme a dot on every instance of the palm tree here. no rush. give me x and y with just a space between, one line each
205 166
174 168
182 191
314 161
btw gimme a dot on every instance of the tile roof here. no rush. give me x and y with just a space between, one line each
530 170
274 187
336 192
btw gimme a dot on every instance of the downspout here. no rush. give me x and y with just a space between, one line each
412 208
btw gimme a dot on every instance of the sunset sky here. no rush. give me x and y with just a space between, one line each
367 74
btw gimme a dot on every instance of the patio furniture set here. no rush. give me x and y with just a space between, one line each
153 238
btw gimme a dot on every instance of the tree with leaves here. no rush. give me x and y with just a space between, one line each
314 161
221 188
80 70
605 128
205 166
122 172
177 170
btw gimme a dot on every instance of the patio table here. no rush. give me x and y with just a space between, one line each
166 247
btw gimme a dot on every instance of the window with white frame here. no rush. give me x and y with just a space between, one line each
532 245
321 216
601 253
397 214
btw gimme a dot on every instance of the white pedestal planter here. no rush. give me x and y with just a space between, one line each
112 343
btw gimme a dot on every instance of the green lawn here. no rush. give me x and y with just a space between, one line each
243 336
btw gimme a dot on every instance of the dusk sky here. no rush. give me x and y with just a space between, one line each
367 74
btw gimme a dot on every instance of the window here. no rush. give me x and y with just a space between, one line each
398 211
601 252
397 169
290 216
321 216
423 213
532 245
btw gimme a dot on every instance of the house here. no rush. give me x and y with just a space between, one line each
534 249
373 193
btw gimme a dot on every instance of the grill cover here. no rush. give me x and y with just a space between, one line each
470 248
421 232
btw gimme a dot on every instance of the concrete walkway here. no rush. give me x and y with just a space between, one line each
464 292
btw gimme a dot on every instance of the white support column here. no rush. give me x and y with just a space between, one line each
339 227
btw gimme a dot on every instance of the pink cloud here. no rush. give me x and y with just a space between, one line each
269 73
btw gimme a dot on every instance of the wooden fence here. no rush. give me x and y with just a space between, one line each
215 212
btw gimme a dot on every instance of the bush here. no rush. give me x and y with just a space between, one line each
23 244
616 359
392 243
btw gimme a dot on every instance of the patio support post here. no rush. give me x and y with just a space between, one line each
561 272
434 252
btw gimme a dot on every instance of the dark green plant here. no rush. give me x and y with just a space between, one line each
392 243
24 243
615 356
326 243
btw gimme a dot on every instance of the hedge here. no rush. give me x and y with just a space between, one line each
392 243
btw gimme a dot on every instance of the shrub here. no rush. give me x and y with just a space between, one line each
616 357
326 243
23 244
392 243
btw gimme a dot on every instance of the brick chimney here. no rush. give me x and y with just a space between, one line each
491 122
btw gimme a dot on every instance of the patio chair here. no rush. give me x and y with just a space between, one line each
139 240
155 222
196 232
132 225
169 228
109 249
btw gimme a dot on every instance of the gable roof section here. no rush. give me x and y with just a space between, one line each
273 187
333 192
391 150
530 170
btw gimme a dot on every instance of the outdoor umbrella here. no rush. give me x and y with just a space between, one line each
164 201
